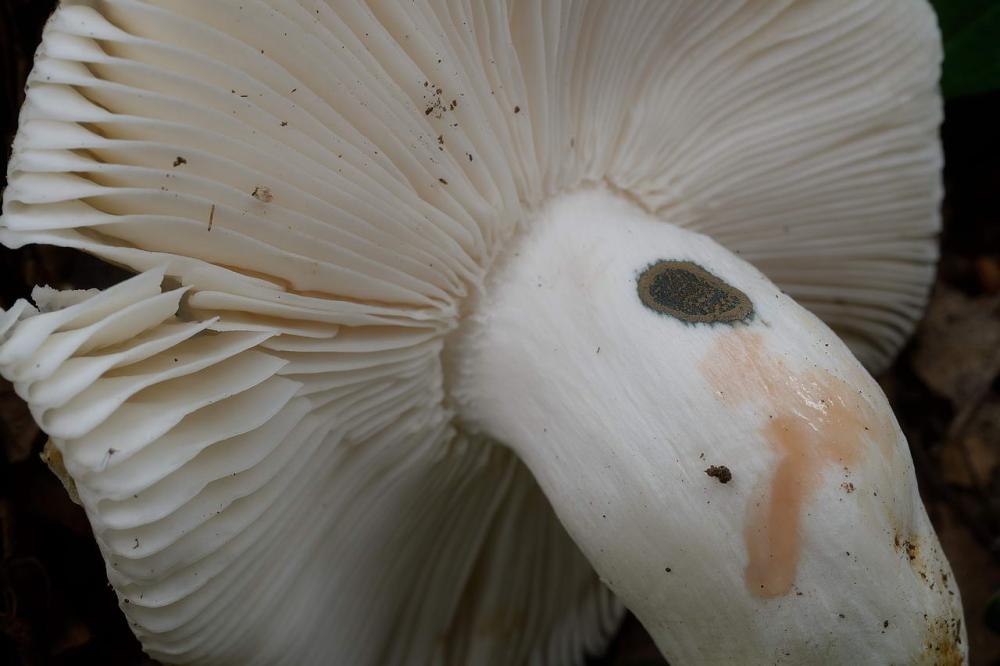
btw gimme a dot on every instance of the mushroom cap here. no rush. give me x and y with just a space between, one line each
311 193
798 135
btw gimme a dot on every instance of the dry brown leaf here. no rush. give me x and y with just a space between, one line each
76 634
988 273
969 462
977 574
958 349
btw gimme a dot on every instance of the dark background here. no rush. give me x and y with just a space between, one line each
55 603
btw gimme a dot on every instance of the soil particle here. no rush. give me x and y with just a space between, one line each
943 642
906 546
720 472
262 193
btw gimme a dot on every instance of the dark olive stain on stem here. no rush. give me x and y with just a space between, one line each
686 291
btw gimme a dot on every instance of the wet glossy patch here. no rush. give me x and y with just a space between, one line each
813 420
686 291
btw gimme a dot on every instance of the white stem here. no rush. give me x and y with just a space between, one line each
818 550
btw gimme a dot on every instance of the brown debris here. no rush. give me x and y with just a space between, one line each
943 643
435 104
52 457
262 193
720 472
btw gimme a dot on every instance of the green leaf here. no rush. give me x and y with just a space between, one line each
971 33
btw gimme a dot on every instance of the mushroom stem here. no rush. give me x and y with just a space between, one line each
721 458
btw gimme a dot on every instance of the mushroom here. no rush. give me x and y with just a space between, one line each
458 327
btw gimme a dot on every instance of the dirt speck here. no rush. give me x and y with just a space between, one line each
434 102
943 642
907 546
179 161
720 472
262 193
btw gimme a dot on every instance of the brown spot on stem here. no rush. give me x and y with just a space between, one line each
720 472
943 642
915 550
911 550
816 420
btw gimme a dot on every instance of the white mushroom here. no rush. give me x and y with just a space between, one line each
426 343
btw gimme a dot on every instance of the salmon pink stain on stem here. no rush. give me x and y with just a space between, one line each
814 420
